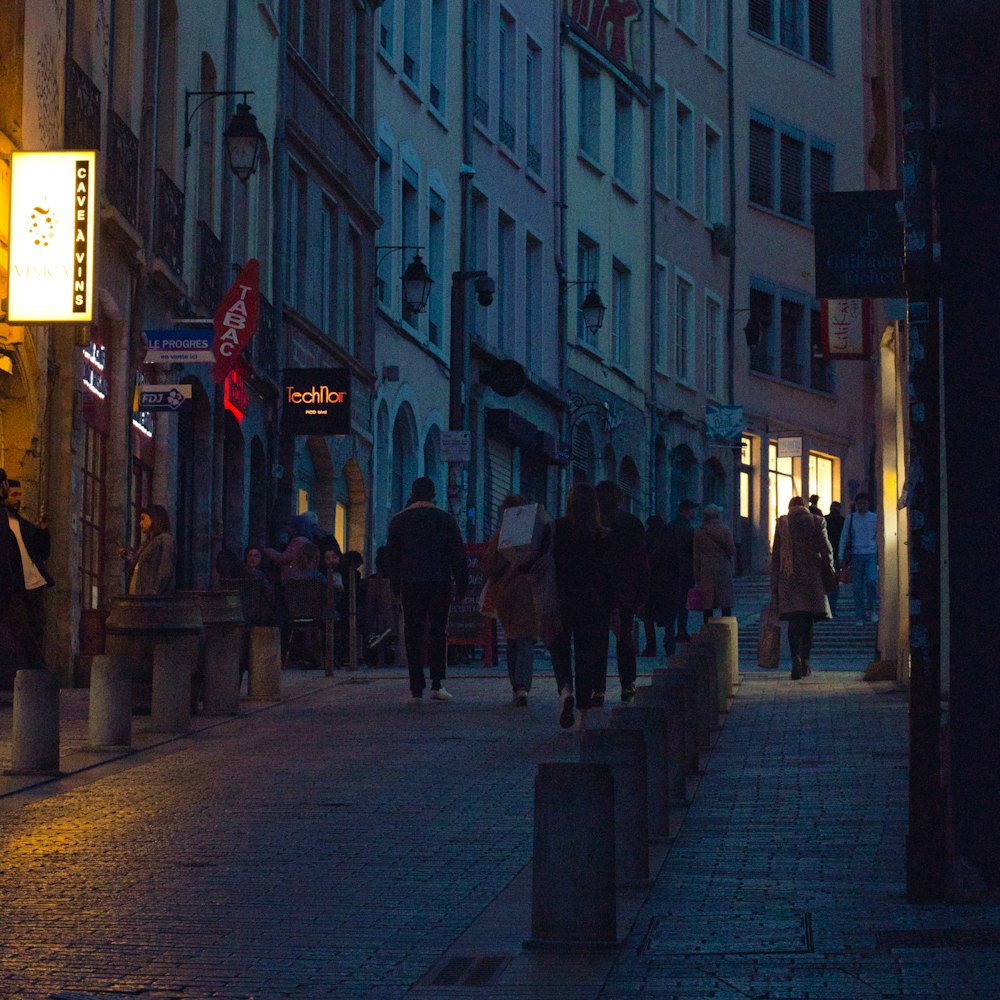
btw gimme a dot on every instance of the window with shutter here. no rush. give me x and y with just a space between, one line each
819 32
761 167
820 174
792 162
583 454
762 17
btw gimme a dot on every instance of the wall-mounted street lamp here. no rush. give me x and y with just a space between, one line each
592 306
755 325
242 137
416 278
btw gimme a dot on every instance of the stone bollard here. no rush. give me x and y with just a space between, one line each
265 664
730 648
682 687
624 751
690 662
172 668
672 723
573 870
719 635
702 650
109 721
35 724
651 722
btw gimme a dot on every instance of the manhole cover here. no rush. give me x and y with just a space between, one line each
953 937
687 933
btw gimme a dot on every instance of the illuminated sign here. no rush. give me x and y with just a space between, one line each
317 401
235 396
162 398
52 237
235 320
845 326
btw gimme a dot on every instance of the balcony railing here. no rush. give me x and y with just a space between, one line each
507 134
264 345
82 114
209 278
168 230
121 181
481 110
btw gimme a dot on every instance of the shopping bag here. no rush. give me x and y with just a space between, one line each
521 532
694 599
769 642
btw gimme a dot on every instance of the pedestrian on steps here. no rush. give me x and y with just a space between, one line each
801 567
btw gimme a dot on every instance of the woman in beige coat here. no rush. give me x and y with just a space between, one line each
714 551
800 559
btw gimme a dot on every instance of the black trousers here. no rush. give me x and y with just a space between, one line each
800 633
586 643
425 631
625 649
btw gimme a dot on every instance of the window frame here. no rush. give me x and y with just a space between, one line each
684 166
715 353
683 347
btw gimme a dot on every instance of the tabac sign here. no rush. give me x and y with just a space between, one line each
317 401
612 26
52 205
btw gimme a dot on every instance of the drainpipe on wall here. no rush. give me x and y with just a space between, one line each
747 557
560 208
653 159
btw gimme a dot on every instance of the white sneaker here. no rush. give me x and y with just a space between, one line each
439 694
415 700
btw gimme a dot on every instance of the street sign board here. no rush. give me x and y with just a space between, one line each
724 423
456 446
183 346
859 245
162 398
789 447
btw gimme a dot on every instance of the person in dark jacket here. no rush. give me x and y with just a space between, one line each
680 560
800 558
629 580
424 553
834 529
24 547
583 580
659 600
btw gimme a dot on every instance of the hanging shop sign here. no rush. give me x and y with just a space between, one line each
178 346
236 396
317 401
859 245
52 206
845 329
162 398
235 320
789 447
724 423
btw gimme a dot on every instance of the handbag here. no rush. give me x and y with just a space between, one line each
694 601
769 640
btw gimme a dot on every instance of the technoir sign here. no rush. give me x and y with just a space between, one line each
317 401
52 201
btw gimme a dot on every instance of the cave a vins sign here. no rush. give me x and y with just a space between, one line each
52 204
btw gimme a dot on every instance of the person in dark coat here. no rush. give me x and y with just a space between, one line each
24 547
151 567
834 529
583 580
424 553
680 560
659 601
714 552
629 580
800 550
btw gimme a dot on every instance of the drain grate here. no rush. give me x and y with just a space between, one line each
779 932
471 970
952 937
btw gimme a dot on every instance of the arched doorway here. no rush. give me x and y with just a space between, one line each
628 479
661 499
257 513
356 513
713 483
683 477
233 487
404 457
193 506
381 482
433 467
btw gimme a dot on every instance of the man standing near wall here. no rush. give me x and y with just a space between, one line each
859 547
24 547
424 553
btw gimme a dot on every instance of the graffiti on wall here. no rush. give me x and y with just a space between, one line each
613 25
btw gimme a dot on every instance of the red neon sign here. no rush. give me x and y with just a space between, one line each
235 397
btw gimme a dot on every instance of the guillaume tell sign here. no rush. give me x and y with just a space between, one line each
52 204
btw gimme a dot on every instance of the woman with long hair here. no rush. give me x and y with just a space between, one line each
151 567
583 578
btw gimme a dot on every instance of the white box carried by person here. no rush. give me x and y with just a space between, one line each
521 532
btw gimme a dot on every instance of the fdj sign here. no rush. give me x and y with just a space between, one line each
51 237
318 401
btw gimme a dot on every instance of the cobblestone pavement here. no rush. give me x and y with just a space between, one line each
342 845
